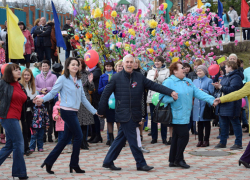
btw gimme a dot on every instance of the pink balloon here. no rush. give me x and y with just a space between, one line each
243 102
213 69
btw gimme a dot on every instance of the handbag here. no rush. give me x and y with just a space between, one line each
162 114
209 112
235 24
33 57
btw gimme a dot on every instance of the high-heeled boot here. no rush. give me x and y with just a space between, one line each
111 137
84 141
97 139
93 135
77 169
48 168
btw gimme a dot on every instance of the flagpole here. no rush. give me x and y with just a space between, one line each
58 54
240 34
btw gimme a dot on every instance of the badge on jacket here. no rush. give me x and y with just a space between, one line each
134 84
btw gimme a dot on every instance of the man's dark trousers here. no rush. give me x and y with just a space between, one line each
127 131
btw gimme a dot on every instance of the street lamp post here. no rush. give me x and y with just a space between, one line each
44 9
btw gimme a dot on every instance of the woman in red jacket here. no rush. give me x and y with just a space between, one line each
13 104
29 46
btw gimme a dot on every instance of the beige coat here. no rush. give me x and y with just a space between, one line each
163 74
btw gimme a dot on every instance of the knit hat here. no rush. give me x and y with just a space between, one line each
203 68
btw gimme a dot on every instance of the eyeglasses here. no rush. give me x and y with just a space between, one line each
183 67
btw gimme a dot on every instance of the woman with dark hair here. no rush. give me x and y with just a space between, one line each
29 46
54 55
28 82
44 83
13 104
157 74
95 96
72 95
187 69
235 20
84 116
110 113
181 111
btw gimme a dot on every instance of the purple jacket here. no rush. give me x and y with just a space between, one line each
47 82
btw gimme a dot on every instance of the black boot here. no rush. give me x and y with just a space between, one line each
85 144
111 137
92 137
170 141
97 139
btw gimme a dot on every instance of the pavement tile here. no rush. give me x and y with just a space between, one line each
202 167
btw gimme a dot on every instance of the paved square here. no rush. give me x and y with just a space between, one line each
221 168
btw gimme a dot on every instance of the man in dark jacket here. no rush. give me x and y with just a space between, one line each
66 37
128 87
43 33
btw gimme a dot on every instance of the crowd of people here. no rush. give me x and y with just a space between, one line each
67 104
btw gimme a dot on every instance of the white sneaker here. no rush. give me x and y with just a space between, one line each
144 150
69 148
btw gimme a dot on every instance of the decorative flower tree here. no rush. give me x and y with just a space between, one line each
114 35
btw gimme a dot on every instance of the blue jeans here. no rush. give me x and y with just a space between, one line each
154 127
244 117
14 142
224 126
60 136
37 137
67 53
71 128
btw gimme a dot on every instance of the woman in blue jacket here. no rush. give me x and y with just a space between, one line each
205 84
72 94
230 112
108 72
181 111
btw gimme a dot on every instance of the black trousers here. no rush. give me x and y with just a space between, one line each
44 51
201 126
26 129
232 31
49 105
179 142
127 131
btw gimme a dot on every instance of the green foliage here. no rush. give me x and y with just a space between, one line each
214 5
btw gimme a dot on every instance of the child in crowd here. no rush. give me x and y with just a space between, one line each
39 122
60 123
2 56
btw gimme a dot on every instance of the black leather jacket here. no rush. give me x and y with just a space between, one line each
128 89
6 91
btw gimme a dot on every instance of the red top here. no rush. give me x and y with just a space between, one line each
17 100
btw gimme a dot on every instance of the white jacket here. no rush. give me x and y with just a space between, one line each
234 16
163 74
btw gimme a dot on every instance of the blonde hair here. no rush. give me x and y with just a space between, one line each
31 83
117 64
138 61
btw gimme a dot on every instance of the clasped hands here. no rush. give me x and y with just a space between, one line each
216 102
